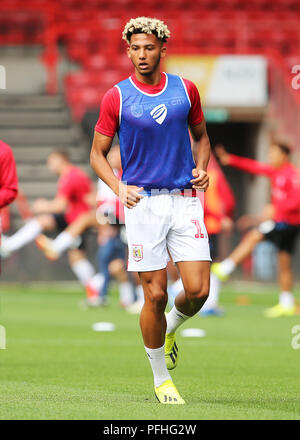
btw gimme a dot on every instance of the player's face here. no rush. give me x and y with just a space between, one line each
276 156
54 163
145 52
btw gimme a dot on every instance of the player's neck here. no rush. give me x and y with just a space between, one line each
152 79
65 169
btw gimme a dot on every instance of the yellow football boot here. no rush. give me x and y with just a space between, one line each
45 244
279 310
167 394
171 351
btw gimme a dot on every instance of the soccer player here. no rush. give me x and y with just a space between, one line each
108 205
8 180
283 220
8 176
151 111
111 253
74 186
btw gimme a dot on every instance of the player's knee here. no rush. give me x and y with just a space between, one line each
46 221
200 293
158 297
115 267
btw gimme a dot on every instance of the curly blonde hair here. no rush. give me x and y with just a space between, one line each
146 25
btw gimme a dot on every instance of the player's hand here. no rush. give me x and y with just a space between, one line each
268 212
130 195
227 224
222 154
201 180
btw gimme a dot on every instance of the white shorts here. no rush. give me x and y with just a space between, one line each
163 223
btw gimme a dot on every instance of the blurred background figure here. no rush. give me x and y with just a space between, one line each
74 186
8 176
112 252
281 220
219 203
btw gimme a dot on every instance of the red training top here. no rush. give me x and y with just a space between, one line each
74 186
8 176
23 208
108 122
219 198
285 186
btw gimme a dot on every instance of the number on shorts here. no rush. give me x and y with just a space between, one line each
199 233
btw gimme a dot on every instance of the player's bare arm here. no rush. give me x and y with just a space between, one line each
222 154
55 206
202 149
128 194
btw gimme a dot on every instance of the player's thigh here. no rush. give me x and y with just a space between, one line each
195 276
146 232
83 222
187 239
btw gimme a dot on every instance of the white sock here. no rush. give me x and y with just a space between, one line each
63 242
140 293
175 319
83 270
157 361
212 301
126 293
24 235
227 266
286 299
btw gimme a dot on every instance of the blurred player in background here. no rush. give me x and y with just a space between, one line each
74 187
8 176
282 220
108 218
151 111
8 181
218 214
23 210
112 253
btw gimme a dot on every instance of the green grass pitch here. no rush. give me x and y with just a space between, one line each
56 367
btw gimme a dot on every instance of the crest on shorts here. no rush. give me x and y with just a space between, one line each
137 252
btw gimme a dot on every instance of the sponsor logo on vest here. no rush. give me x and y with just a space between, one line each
159 113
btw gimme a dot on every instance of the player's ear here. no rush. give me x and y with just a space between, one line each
163 51
128 52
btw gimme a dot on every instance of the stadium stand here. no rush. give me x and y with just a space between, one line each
90 33
35 125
